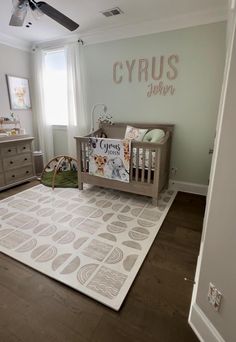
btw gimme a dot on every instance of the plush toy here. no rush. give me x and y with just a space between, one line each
103 135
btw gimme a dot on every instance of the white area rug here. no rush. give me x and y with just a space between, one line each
93 240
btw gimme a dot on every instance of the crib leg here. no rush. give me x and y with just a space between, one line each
80 186
166 186
155 201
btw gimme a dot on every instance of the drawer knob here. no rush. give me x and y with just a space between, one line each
27 172
26 159
9 150
24 148
11 162
13 176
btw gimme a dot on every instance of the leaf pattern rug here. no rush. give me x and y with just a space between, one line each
93 240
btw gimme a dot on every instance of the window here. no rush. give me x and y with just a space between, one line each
55 87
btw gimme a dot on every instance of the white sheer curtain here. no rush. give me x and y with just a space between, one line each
44 130
78 122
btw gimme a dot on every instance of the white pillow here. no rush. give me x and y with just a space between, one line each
135 133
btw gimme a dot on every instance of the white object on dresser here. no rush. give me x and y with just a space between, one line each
16 161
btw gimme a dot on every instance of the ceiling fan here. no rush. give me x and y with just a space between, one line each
20 8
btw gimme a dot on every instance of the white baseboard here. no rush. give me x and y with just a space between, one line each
202 327
193 188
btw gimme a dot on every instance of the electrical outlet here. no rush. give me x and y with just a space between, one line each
214 297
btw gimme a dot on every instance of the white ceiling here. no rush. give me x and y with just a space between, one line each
138 14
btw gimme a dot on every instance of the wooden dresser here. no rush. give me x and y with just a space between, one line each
16 160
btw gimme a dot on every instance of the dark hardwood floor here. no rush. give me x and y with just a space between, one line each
35 308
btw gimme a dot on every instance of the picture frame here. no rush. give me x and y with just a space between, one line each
19 93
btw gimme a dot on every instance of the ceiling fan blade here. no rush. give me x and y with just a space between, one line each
57 16
37 13
18 16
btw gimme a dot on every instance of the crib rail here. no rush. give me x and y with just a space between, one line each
146 160
142 163
82 153
149 166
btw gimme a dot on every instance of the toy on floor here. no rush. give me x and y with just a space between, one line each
60 172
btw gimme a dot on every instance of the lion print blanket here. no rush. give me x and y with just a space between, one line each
109 158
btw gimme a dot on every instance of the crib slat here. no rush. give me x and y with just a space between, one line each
143 165
149 166
157 170
84 156
137 164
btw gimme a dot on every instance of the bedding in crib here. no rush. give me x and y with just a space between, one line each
149 158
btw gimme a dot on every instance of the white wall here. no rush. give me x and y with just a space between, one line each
17 63
194 106
218 252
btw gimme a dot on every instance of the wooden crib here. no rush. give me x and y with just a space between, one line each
146 180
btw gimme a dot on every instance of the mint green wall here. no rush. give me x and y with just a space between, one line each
194 106
14 62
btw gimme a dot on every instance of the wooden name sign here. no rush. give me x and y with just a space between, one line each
149 70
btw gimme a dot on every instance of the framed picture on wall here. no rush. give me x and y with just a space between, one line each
19 95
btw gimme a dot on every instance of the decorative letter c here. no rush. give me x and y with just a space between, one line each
115 65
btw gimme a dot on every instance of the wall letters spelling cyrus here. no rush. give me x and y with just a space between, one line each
153 70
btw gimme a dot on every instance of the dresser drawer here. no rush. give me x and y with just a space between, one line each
24 147
9 150
1 180
19 174
17 161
